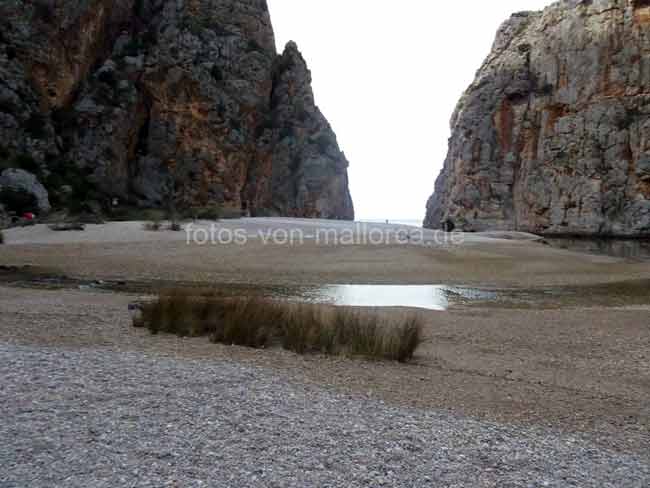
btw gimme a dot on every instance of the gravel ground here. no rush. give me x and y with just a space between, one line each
95 418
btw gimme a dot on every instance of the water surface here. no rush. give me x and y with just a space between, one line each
427 297
430 297
441 297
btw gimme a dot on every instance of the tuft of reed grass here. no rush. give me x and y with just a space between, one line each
301 328
250 322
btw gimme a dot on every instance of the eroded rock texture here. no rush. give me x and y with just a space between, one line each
553 136
154 101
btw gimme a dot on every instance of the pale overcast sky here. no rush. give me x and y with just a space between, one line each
387 74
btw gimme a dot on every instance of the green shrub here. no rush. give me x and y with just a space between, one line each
301 328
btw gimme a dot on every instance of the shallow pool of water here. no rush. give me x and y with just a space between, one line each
430 297
441 297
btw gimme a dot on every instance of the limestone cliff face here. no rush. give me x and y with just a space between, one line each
553 136
154 101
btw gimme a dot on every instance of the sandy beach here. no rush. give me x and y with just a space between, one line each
578 369
125 251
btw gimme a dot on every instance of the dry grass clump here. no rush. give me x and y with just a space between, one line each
301 328
351 332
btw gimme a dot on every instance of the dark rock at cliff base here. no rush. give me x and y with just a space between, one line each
21 185
161 102
553 136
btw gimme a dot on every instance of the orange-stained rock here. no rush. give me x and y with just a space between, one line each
553 136
159 101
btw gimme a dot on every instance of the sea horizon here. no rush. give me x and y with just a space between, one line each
403 221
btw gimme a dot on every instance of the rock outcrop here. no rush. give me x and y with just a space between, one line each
156 102
18 180
553 136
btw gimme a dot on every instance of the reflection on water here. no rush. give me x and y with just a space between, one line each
414 296
439 297
637 249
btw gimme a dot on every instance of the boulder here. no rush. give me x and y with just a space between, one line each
22 181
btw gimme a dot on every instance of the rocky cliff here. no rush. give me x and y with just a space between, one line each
553 136
160 101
